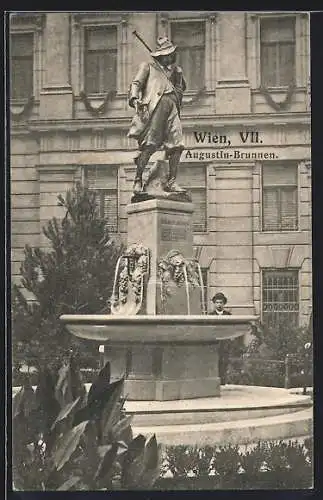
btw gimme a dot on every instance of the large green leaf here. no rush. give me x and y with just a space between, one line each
77 383
16 403
107 462
22 434
88 412
45 390
63 391
69 385
100 384
121 428
152 463
106 404
151 453
122 448
65 412
111 410
102 450
69 483
47 405
67 445
24 401
133 462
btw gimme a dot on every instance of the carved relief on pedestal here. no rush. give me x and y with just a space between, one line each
176 269
131 275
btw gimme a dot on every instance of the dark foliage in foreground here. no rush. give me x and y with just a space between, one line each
67 439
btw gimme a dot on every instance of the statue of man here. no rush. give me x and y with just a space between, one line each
156 95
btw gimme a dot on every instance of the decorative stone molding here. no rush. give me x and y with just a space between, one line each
306 167
97 107
21 111
73 141
281 105
280 256
131 275
20 21
98 138
237 164
179 270
57 168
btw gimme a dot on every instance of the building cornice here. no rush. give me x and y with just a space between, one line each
56 168
27 20
188 121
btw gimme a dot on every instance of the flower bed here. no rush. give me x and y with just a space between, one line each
267 465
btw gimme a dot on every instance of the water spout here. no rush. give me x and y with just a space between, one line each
202 288
187 290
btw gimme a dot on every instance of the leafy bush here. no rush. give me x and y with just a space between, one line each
267 465
263 360
285 339
67 439
256 371
75 275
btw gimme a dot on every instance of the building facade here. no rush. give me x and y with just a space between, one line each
246 123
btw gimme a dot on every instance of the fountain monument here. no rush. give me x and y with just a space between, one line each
161 339
158 333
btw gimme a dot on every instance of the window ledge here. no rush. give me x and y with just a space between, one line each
20 108
96 96
100 97
279 89
281 232
18 102
282 88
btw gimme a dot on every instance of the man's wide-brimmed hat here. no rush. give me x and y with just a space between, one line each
219 296
163 47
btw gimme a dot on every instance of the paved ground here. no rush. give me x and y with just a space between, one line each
232 397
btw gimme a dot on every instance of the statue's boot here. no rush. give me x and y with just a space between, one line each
141 161
171 185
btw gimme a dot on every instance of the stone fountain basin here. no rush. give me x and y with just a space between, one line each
157 329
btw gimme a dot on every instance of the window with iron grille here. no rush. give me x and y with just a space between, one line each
277 51
104 181
193 178
279 197
100 59
280 297
189 37
22 61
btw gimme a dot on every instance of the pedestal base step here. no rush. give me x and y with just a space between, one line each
236 403
171 390
236 433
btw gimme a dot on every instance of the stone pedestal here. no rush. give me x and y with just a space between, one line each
164 226
166 373
173 371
